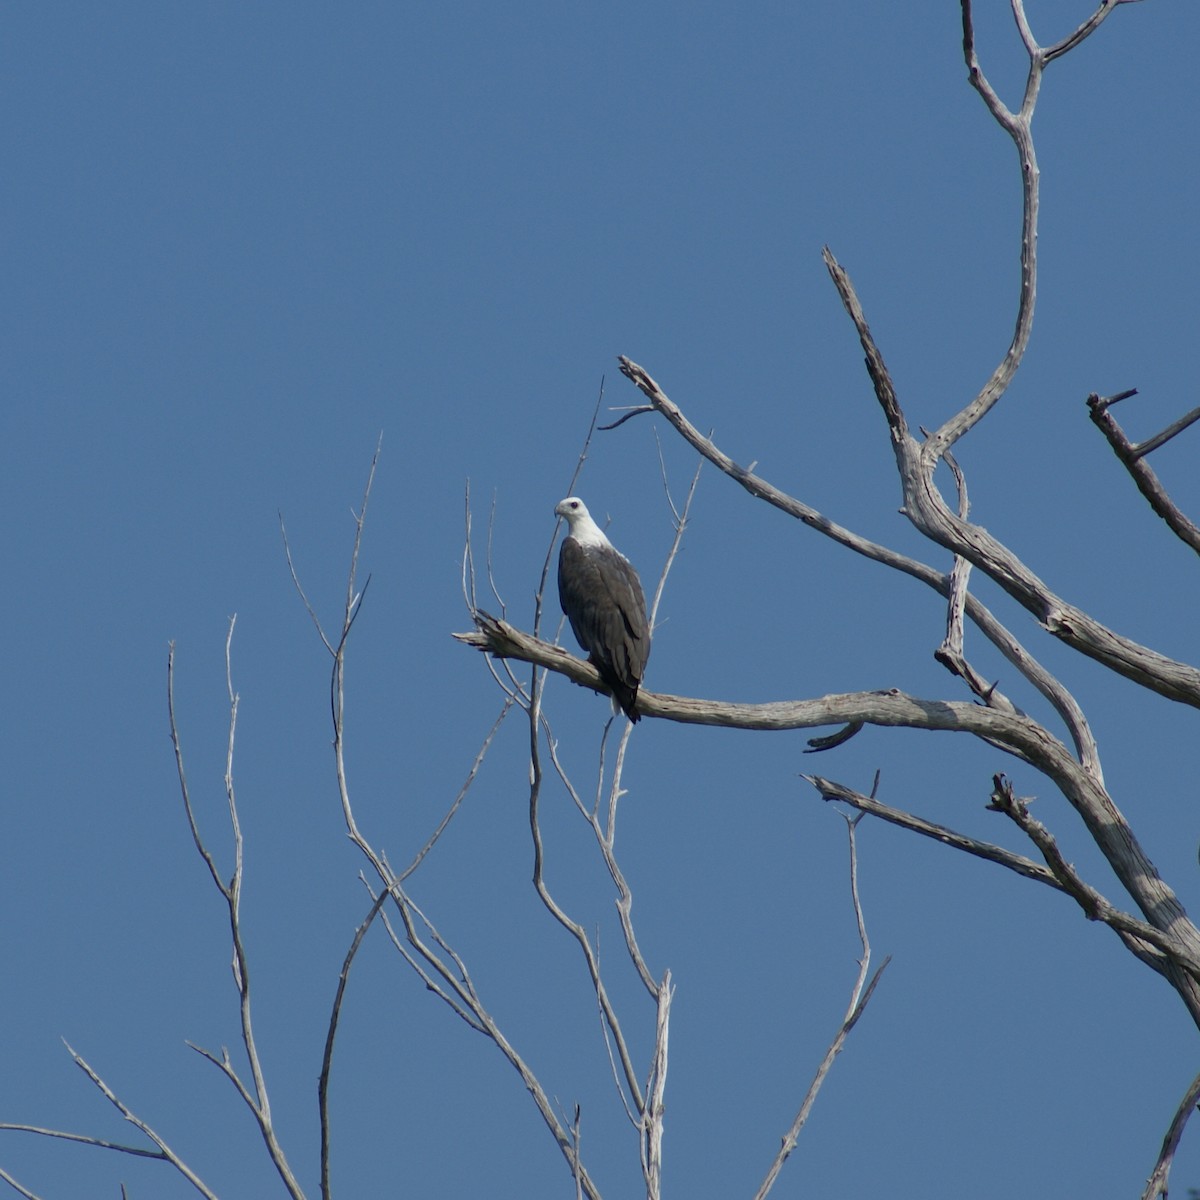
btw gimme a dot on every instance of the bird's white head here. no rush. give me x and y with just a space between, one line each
583 529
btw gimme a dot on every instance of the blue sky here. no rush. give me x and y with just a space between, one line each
241 242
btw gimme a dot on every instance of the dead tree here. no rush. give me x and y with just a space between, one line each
1145 912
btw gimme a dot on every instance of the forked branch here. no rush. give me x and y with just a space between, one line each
1133 458
996 633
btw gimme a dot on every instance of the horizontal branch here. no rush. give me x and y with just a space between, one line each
1017 734
1013 733
1140 936
831 790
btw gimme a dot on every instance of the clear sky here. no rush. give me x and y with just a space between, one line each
241 241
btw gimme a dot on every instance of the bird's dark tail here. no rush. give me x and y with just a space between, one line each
627 699
624 696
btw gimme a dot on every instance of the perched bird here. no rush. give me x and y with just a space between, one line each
601 596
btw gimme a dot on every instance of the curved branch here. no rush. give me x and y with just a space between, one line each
1157 1184
1004 641
928 511
1018 127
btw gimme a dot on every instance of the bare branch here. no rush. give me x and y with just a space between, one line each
885 391
1018 127
992 629
577 931
635 411
464 1000
1137 935
1157 1185
1095 907
353 599
859 998
85 1140
488 559
505 709
927 510
438 965
1015 734
514 691
1161 439
1084 31
331 1034
576 1141
312 612
831 790
656 1084
680 518
167 1153
20 1189
817 745
198 841
951 653
258 1102
1133 459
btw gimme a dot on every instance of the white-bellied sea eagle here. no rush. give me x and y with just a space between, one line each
602 597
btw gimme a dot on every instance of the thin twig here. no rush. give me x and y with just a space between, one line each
1085 30
19 1188
168 1154
331 1034
259 1102
312 612
505 709
860 995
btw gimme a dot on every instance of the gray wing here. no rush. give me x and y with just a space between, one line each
602 597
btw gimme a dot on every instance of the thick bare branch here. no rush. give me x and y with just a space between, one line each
925 507
1014 733
996 633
